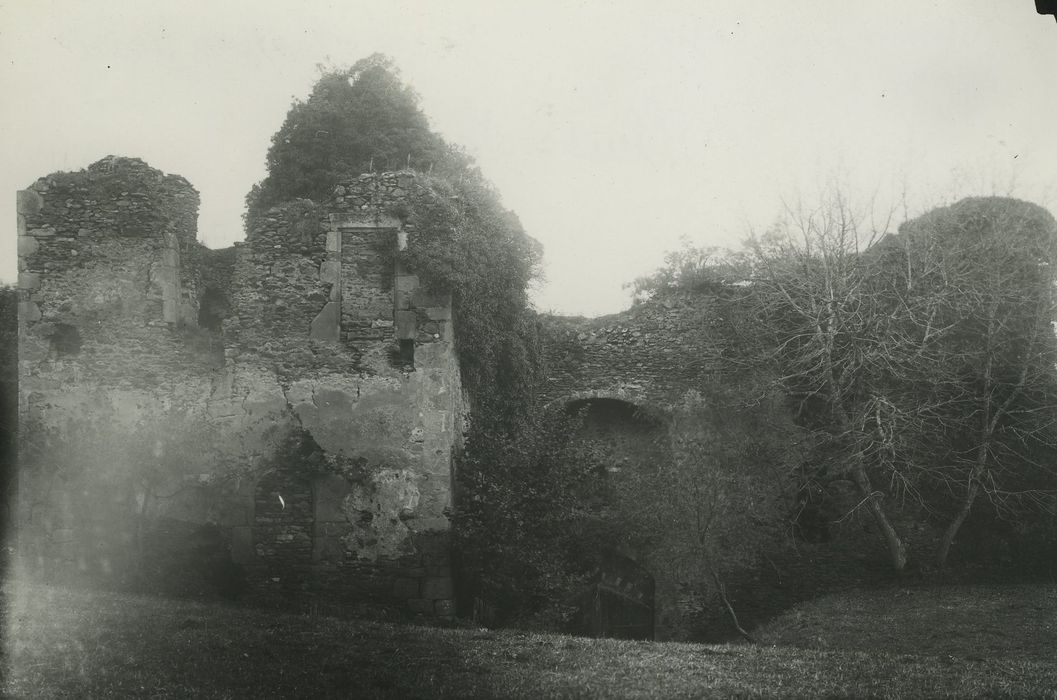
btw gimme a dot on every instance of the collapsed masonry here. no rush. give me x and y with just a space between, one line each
284 410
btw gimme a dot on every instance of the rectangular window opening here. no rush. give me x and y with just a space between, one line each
407 353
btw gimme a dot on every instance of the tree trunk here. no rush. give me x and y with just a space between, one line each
722 588
897 551
971 492
944 547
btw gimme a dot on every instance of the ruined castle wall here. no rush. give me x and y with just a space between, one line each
304 435
648 355
106 361
370 376
625 372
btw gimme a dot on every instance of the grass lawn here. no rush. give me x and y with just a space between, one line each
952 642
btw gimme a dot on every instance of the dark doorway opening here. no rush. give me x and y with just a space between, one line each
619 602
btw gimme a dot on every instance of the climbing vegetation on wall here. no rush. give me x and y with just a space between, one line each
463 242
531 523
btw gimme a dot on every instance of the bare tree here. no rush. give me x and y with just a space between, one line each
814 299
972 307
721 503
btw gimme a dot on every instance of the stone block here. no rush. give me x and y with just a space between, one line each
168 310
406 283
22 230
438 313
327 324
27 245
28 312
330 271
444 608
420 605
406 325
29 202
406 588
333 241
437 587
28 280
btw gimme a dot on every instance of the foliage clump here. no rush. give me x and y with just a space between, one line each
357 120
922 363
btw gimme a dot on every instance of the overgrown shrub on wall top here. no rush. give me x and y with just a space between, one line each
358 119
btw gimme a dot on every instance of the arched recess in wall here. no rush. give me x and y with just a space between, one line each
629 442
282 532
624 435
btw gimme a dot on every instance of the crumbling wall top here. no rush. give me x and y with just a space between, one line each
115 197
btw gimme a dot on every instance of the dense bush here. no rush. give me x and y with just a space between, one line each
922 363
359 119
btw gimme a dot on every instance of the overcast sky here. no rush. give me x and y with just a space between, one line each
613 129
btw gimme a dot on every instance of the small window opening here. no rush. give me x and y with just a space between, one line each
212 310
65 339
407 353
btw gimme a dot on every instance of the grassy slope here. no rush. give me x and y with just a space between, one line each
953 643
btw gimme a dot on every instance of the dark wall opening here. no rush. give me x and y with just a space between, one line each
213 308
619 601
629 444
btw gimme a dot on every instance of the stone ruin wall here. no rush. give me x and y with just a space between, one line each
626 372
648 355
289 406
